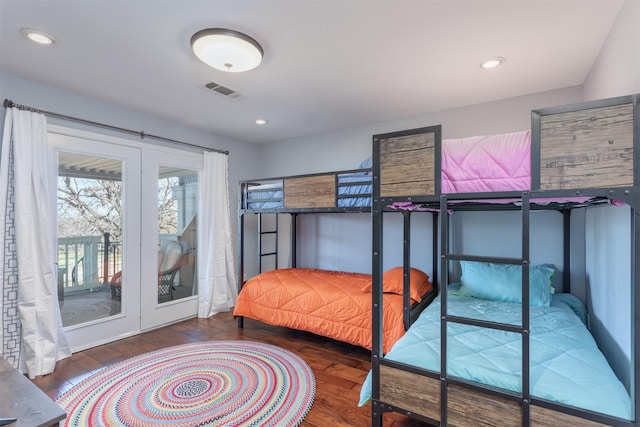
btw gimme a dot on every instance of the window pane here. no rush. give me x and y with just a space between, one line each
177 233
89 237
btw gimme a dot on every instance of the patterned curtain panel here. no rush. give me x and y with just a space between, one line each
11 331
32 336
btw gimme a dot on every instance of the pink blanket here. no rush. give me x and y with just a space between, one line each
481 164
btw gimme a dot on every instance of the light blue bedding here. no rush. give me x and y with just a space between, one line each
359 185
566 365
265 196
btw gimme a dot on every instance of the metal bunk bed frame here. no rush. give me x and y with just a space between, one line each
244 209
630 194
409 315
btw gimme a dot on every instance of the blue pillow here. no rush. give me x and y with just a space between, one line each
366 163
503 282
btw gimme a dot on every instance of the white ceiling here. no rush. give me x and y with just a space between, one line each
328 64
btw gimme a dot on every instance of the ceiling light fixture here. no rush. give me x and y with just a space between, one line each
38 36
262 121
227 50
492 62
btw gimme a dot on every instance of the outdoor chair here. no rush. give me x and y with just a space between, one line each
172 256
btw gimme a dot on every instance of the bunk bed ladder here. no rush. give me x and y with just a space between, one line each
273 232
446 256
240 271
261 254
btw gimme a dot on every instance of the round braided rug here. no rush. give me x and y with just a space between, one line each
217 383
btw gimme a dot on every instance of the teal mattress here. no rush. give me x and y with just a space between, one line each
566 365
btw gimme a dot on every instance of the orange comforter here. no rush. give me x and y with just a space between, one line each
327 303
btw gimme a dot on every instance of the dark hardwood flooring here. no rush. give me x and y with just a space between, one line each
339 368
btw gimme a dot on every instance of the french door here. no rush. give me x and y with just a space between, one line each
170 205
127 235
98 217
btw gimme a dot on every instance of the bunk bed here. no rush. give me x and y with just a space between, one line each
497 347
334 304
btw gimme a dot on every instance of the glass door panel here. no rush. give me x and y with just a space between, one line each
177 233
98 223
90 206
170 203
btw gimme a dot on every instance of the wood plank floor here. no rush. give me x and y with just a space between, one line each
339 368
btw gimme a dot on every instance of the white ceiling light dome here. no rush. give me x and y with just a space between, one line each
227 50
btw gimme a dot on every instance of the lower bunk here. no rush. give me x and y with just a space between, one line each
566 368
334 304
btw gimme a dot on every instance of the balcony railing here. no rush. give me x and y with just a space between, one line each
84 265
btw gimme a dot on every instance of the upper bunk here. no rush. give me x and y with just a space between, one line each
573 155
337 191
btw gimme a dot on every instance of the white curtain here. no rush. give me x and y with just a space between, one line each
216 271
29 281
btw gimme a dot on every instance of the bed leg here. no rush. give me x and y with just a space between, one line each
240 322
376 414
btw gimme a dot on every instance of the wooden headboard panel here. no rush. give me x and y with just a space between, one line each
588 145
408 162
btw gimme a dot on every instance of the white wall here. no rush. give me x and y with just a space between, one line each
608 246
617 69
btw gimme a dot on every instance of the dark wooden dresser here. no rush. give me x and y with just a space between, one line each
21 399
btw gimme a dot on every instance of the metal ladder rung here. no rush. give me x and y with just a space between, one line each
262 233
480 258
485 324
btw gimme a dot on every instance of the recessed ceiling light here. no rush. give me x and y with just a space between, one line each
38 36
492 62
227 50
262 121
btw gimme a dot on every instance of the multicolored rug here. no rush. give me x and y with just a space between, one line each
216 383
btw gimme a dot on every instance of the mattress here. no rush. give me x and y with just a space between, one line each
327 303
566 365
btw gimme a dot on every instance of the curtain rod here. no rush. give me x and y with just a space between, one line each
9 104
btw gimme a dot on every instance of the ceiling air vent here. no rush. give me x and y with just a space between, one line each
223 90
